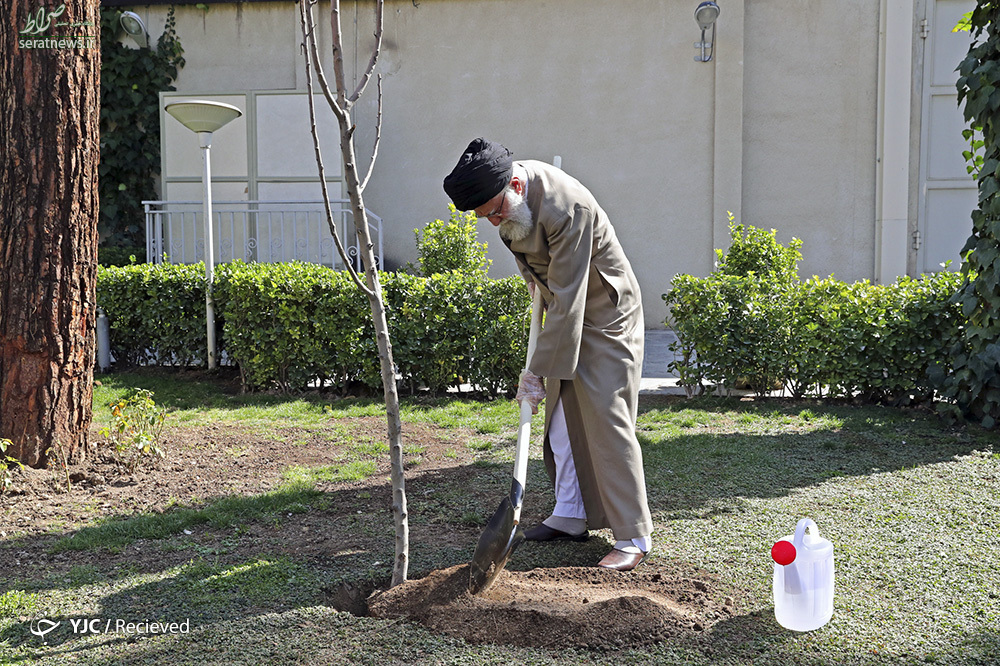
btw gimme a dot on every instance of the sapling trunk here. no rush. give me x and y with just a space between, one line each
341 104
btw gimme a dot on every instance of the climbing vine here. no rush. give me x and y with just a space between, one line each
131 80
973 386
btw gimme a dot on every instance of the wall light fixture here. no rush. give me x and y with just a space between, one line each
705 15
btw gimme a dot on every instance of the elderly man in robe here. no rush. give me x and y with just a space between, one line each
589 351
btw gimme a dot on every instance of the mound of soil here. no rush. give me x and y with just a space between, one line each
564 607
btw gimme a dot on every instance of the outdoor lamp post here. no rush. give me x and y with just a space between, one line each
205 117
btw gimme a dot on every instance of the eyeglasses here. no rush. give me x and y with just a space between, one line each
499 208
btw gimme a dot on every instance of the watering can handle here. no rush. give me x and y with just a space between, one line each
800 531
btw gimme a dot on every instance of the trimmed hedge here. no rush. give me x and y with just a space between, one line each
821 337
157 313
290 325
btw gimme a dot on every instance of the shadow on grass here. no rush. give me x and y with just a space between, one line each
756 638
196 578
743 638
222 512
688 470
194 389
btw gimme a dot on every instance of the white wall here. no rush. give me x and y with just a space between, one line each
611 88
810 102
780 128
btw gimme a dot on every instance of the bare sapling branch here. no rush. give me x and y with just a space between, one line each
338 56
376 50
312 45
378 137
310 35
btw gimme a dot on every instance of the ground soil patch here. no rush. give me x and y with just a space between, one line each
560 603
562 607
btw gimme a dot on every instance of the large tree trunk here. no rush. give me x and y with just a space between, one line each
49 151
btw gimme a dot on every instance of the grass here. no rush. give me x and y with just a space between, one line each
356 470
295 497
911 504
200 401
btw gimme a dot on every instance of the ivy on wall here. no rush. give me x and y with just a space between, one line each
131 80
973 386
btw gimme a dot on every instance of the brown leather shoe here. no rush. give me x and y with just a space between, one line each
543 532
619 560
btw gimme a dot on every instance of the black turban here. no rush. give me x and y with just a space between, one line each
482 172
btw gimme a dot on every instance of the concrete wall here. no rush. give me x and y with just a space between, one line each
780 128
810 102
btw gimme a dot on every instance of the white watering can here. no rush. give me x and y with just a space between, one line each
803 579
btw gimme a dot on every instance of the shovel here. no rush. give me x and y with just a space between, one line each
503 533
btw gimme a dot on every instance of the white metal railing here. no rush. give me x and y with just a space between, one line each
264 231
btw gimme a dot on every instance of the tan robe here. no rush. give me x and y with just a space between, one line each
590 349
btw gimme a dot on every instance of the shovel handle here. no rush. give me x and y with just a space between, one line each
536 325
524 429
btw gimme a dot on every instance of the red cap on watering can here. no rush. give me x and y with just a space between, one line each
783 552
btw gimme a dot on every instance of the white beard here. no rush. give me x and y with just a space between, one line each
519 222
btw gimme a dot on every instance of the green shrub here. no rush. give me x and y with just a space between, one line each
875 342
737 323
452 245
433 326
698 312
134 431
156 313
756 252
752 323
501 341
288 326
298 323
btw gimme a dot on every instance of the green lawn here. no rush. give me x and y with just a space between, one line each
911 504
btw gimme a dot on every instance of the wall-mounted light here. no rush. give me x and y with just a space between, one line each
132 24
705 15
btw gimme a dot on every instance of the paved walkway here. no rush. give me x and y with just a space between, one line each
656 379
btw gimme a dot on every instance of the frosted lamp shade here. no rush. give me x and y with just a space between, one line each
132 24
203 115
705 14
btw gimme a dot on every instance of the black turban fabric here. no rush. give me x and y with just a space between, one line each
484 169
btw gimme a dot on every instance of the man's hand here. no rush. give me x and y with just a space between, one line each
531 293
530 388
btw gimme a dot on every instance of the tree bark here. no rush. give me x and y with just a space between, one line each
49 153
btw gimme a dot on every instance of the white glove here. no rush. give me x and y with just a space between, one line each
530 388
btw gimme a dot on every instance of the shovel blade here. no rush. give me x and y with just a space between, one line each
496 544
